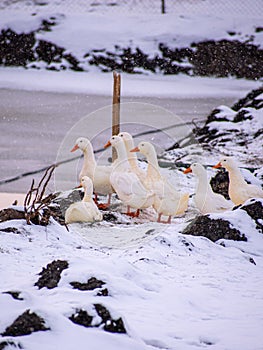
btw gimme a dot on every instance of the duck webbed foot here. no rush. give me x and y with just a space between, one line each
102 206
164 222
133 214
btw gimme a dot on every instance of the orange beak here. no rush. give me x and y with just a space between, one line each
79 186
218 165
74 148
188 170
108 144
135 149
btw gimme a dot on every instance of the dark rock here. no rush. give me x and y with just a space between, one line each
258 133
220 183
82 318
102 312
11 214
14 294
56 213
221 58
255 210
213 229
209 58
7 344
213 116
250 100
74 63
227 57
110 217
212 136
103 292
16 49
47 24
50 276
19 49
92 284
63 203
10 230
49 52
109 324
26 323
242 116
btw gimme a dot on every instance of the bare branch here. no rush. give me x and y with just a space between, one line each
48 174
33 211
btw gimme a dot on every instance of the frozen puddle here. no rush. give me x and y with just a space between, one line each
121 236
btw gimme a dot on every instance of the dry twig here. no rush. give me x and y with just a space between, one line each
35 206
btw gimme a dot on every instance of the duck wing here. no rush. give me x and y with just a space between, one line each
254 191
220 203
128 184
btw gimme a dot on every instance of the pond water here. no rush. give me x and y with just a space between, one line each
39 128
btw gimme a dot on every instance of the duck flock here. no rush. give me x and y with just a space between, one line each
139 189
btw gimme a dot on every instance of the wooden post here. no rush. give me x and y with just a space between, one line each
163 6
116 108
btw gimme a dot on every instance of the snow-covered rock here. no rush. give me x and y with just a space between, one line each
235 131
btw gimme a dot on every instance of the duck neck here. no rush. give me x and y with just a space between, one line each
132 156
202 185
153 170
87 195
121 163
235 176
89 163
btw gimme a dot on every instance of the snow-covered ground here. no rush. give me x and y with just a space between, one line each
180 86
82 32
171 290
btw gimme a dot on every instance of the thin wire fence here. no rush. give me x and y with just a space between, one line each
150 7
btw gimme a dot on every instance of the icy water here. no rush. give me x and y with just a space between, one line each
39 128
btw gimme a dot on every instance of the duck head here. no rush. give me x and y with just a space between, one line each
81 143
125 136
195 168
113 141
144 147
87 184
226 162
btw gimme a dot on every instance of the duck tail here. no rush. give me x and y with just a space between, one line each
98 217
183 204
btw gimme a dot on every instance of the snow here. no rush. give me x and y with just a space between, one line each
88 29
172 291
84 27
101 84
170 295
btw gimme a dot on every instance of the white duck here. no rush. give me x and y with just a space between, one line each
99 174
126 183
132 157
167 200
206 200
239 190
85 210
